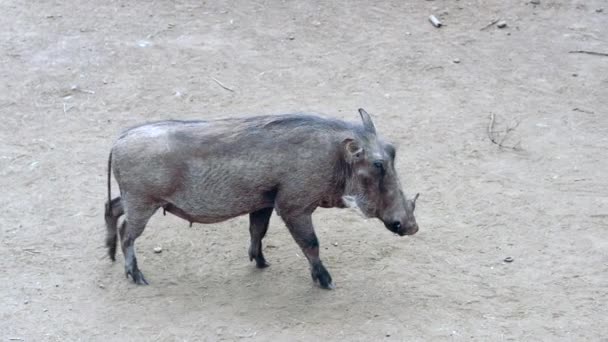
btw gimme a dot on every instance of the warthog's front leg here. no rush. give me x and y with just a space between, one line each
258 225
303 232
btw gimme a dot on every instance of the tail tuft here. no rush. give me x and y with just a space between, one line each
112 213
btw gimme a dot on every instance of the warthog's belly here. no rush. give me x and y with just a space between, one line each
206 218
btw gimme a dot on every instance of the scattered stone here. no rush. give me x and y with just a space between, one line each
158 249
535 2
144 43
574 75
501 24
335 244
388 335
508 259
45 310
599 10
291 37
456 60
101 286
26 301
433 19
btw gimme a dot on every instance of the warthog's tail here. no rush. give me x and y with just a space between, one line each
113 211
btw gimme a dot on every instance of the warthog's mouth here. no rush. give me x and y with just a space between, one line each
398 229
395 227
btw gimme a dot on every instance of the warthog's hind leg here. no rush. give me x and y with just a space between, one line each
131 229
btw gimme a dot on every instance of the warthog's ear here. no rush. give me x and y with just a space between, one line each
415 198
353 150
368 125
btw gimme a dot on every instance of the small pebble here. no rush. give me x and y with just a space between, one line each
501 24
535 2
599 10
101 286
575 75
388 335
335 244
456 60
158 249
26 302
45 310
291 37
508 259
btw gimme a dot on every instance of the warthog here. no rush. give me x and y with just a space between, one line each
211 171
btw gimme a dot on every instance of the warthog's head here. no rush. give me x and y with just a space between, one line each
373 187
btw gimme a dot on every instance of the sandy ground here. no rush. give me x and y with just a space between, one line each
74 73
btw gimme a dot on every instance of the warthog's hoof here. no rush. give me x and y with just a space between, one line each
320 275
137 276
260 261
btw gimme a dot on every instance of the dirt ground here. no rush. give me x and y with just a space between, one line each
74 73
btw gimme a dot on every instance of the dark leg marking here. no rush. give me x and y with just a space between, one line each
312 242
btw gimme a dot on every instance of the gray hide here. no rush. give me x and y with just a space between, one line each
211 171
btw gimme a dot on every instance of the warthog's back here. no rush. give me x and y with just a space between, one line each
223 168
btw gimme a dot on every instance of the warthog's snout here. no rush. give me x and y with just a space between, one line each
401 230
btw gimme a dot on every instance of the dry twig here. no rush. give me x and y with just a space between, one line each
492 23
30 250
583 110
590 53
222 85
494 136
